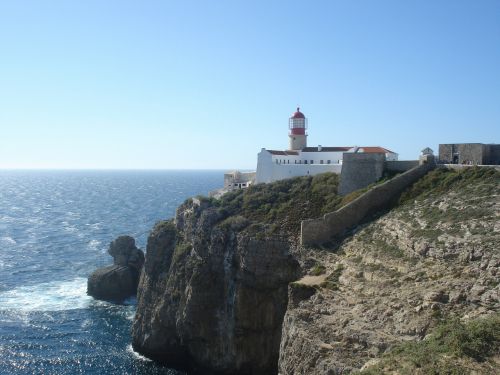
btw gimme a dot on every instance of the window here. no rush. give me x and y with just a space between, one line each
305 161
276 161
321 161
311 162
328 162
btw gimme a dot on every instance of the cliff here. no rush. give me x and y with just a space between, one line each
212 298
431 259
226 287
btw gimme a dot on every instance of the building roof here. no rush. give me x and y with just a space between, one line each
365 149
375 149
325 149
275 152
298 114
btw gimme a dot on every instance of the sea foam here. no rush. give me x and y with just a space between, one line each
137 355
51 296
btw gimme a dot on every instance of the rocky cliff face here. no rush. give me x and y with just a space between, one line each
434 257
212 297
220 295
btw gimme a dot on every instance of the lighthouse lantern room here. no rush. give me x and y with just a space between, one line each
297 136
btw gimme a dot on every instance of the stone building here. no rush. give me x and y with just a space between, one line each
469 153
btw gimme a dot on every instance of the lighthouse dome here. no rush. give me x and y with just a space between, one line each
298 114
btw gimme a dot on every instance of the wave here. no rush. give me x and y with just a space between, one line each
137 355
51 296
8 240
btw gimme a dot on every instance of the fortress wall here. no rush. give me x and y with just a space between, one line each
335 224
360 170
400 165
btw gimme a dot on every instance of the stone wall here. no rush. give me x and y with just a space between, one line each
360 170
400 165
494 154
335 224
463 153
469 153
445 153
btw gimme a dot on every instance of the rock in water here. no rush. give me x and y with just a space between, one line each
112 283
119 281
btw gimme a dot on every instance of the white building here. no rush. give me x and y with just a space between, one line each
238 180
300 160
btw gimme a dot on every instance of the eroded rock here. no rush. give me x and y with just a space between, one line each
119 281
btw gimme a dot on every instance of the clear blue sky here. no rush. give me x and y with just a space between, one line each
207 84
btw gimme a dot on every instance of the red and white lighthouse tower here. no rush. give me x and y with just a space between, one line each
297 136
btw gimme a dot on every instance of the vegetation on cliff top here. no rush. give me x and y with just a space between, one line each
453 348
436 215
283 204
442 180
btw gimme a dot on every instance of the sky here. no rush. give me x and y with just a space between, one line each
207 84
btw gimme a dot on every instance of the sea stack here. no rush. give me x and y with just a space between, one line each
118 281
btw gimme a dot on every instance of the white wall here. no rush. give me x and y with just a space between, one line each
334 157
278 167
269 171
264 167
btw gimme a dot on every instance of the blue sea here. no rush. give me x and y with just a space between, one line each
55 228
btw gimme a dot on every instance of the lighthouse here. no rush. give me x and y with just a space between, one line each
297 125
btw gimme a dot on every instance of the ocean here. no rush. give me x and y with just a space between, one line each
55 228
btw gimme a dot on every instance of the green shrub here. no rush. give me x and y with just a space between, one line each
318 269
181 250
442 180
164 226
332 280
474 341
236 223
284 203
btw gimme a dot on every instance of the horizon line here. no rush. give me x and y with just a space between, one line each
122 169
